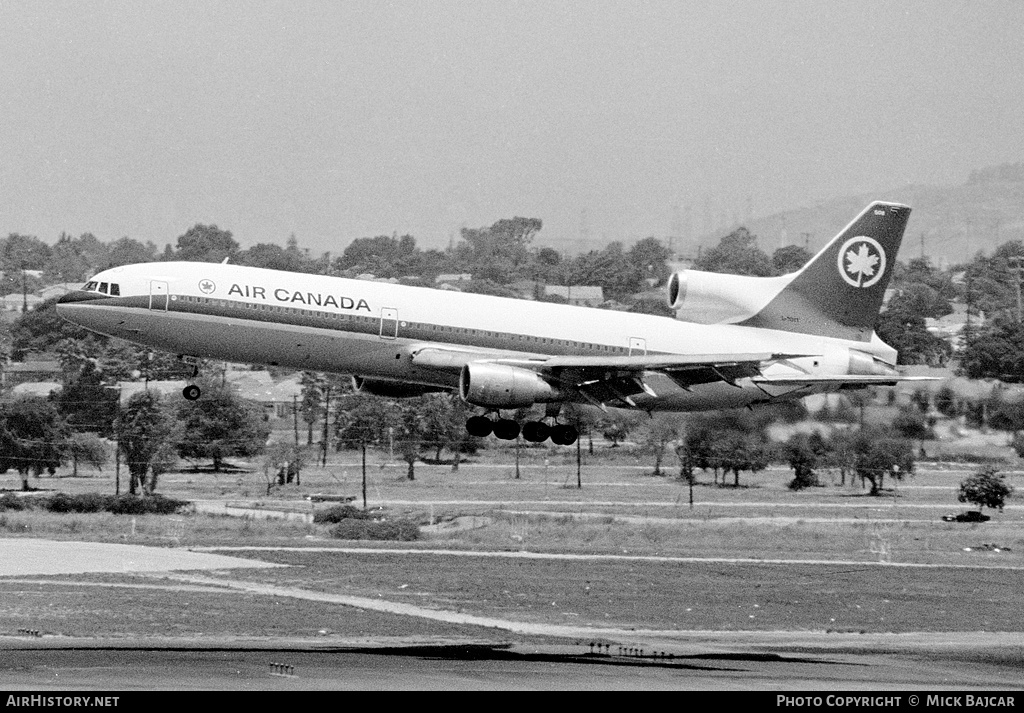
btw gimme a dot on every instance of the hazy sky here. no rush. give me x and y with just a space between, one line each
336 120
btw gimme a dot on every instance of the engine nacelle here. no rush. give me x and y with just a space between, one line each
500 386
715 298
869 365
391 389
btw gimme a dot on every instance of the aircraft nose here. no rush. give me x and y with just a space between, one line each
66 302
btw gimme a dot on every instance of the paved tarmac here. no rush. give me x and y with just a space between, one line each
23 556
704 660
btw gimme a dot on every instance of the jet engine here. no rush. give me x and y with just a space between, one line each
500 386
391 389
714 298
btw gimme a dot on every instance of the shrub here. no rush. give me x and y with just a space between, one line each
152 504
350 529
12 502
341 512
87 502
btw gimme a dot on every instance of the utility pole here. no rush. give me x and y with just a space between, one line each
327 418
362 445
579 465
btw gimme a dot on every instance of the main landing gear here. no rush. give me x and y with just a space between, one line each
533 431
191 392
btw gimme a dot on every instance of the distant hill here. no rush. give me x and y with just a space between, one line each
956 221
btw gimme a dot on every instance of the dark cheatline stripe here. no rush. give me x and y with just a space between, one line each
351 322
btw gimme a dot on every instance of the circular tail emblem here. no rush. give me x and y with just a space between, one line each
861 261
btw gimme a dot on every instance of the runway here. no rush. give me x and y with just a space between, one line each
478 653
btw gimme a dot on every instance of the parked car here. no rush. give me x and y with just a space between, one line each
969 516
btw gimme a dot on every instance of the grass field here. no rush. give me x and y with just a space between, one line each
758 557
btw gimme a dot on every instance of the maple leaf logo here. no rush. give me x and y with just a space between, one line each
207 286
862 261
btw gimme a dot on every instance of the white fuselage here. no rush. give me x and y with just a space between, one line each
375 329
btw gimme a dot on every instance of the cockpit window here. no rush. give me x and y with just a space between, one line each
105 288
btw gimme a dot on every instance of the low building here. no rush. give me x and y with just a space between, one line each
453 278
16 302
20 372
579 295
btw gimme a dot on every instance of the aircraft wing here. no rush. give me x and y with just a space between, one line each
603 380
613 379
850 379
616 379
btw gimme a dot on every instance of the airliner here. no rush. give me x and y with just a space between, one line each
736 340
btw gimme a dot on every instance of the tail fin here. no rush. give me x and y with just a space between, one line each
839 292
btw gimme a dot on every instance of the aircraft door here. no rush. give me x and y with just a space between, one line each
158 295
388 323
637 346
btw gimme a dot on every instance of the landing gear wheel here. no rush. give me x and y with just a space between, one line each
479 426
191 392
564 435
536 431
506 429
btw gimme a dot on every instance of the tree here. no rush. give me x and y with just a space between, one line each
147 429
410 430
900 326
985 488
73 260
311 406
33 438
23 252
206 243
995 352
879 454
744 451
363 419
42 329
274 257
86 448
497 253
1007 416
128 251
662 429
441 429
616 426
87 404
804 452
220 425
790 258
910 423
737 253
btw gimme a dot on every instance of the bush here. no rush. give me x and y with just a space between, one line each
12 502
350 529
150 505
341 512
88 502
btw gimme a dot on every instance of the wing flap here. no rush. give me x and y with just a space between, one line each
854 379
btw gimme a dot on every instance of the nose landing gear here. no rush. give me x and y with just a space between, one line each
191 392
